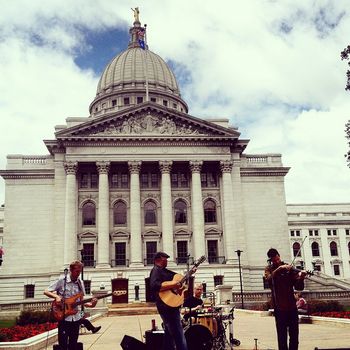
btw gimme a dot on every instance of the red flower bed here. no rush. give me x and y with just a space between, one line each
17 333
336 314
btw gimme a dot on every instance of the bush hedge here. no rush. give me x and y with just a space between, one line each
34 317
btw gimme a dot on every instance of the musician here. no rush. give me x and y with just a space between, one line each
173 331
194 302
283 278
66 287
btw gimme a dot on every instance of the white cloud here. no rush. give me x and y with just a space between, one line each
273 67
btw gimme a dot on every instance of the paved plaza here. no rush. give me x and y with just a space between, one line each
247 326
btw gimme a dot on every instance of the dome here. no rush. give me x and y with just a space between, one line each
135 76
135 65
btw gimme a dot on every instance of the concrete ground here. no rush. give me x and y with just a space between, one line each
247 326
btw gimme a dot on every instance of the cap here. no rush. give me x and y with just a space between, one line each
161 255
272 253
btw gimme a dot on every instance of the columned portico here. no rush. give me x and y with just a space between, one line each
135 214
197 210
70 238
103 215
229 224
167 216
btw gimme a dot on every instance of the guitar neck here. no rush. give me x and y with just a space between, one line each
97 297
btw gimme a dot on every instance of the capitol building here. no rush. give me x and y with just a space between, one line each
141 174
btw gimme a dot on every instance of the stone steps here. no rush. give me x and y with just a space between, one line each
132 309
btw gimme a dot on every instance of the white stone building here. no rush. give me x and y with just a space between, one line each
138 175
325 230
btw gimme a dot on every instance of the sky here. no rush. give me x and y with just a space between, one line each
272 67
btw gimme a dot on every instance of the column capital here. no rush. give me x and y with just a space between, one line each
165 166
226 166
196 166
70 167
134 166
103 167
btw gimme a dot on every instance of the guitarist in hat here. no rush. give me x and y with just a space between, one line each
173 331
68 286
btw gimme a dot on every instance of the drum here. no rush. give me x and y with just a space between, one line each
198 337
208 321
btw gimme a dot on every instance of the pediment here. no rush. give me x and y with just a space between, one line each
87 235
148 121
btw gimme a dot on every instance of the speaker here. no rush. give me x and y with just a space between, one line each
332 348
154 339
78 347
131 343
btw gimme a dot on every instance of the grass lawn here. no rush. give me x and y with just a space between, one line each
7 323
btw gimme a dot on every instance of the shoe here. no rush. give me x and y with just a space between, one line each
96 329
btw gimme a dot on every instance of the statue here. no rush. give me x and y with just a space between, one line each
136 14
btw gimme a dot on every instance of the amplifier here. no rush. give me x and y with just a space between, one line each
131 343
78 347
154 339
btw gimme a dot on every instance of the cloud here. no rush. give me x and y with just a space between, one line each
272 67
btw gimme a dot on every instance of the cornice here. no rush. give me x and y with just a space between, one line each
28 174
264 171
311 224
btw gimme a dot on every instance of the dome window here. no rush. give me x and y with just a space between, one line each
126 101
165 103
139 99
114 103
153 99
175 105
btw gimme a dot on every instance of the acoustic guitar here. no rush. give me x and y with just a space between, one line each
67 307
175 297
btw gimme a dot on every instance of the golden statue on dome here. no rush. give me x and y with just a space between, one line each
136 14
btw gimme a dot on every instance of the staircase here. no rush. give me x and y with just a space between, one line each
322 282
131 309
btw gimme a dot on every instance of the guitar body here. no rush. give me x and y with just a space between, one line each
68 308
173 297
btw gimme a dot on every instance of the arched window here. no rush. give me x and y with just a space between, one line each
349 247
315 249
180 212
209 212
119 213
296 247
334 249
150 213
89 214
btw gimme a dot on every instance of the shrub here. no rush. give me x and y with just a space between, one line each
324 306
34 317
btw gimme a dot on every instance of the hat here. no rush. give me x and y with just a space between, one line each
161 255
272 253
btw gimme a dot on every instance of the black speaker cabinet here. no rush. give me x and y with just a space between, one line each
154 339
78 347
131 343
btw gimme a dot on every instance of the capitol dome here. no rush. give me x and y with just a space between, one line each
135 76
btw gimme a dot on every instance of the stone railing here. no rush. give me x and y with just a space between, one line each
32 160
261 160
26 306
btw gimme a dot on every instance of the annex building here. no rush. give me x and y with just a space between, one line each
138 175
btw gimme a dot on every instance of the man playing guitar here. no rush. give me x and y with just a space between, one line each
65 287
173 331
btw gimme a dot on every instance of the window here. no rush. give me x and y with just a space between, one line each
209 212
94 181
331 232
151 249
149 180
336 270
88 254
139 100
347 232
218 280
88 180
120 213
120 254
87 286
114 103
126 101
119 180
295 233
165 103
179 180
349 247
153 99
89 214
84 181
334 249
315 249
180 209
29 291
182 252
209 179
296 249
174 105
317 267
212 251
150 213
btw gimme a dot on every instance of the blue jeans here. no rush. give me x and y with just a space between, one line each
173 331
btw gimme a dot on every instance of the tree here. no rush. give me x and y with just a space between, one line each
345 55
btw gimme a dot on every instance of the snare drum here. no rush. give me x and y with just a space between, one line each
208 321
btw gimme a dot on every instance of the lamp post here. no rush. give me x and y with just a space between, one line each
82 260
238 251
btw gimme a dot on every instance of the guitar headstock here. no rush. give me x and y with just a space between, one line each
309 273
119 292
200 260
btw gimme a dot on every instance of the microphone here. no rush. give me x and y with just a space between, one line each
65 271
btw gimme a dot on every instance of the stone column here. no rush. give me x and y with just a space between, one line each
70 217
167 212
197 210
326 254
135 215
103 215
229 214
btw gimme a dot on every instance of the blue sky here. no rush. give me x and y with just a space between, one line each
272 67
